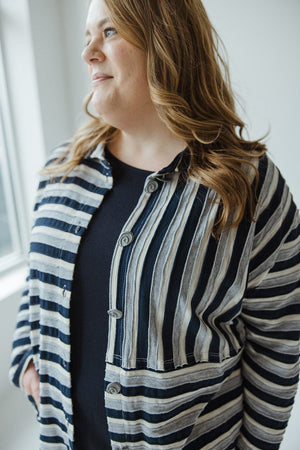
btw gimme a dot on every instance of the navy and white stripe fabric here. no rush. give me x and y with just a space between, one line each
203 341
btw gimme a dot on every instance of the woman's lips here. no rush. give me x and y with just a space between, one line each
100 77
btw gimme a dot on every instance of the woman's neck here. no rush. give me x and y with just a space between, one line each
148 148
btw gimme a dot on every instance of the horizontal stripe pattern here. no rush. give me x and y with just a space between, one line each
206 353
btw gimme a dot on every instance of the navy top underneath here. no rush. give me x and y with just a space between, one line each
89 304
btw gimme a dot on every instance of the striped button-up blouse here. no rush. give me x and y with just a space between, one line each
203 341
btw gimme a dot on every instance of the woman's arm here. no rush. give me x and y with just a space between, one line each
22 352
271 315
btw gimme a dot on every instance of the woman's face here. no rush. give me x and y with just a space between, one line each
117 70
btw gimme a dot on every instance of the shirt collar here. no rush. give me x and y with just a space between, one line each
179 164
97 152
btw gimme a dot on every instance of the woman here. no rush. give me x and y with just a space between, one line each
160 214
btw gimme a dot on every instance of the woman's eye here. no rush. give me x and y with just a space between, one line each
108 32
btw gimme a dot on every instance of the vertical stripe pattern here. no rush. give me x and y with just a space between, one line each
205 353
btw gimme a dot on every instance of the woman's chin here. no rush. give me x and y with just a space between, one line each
97 106
100 103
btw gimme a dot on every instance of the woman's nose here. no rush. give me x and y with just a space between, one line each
92 53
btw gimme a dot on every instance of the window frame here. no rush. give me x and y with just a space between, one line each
12 180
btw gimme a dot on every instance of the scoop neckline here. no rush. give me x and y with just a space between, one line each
110 157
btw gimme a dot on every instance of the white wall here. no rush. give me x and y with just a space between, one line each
262 40
58 38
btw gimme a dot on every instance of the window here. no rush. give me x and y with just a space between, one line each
6 240
11 205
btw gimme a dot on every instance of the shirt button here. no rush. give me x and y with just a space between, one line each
65 364
113 388
68 420
115 313
64 291
126 238
77 229
151 187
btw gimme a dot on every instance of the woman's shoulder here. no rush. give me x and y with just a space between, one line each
275 203
59 152
271 182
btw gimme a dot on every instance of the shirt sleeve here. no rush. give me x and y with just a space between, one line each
22 351
271 315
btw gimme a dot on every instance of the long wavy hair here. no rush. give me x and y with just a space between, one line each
190 87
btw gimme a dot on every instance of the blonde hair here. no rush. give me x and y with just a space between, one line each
190 86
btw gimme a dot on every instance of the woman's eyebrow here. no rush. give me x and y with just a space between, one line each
99 25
